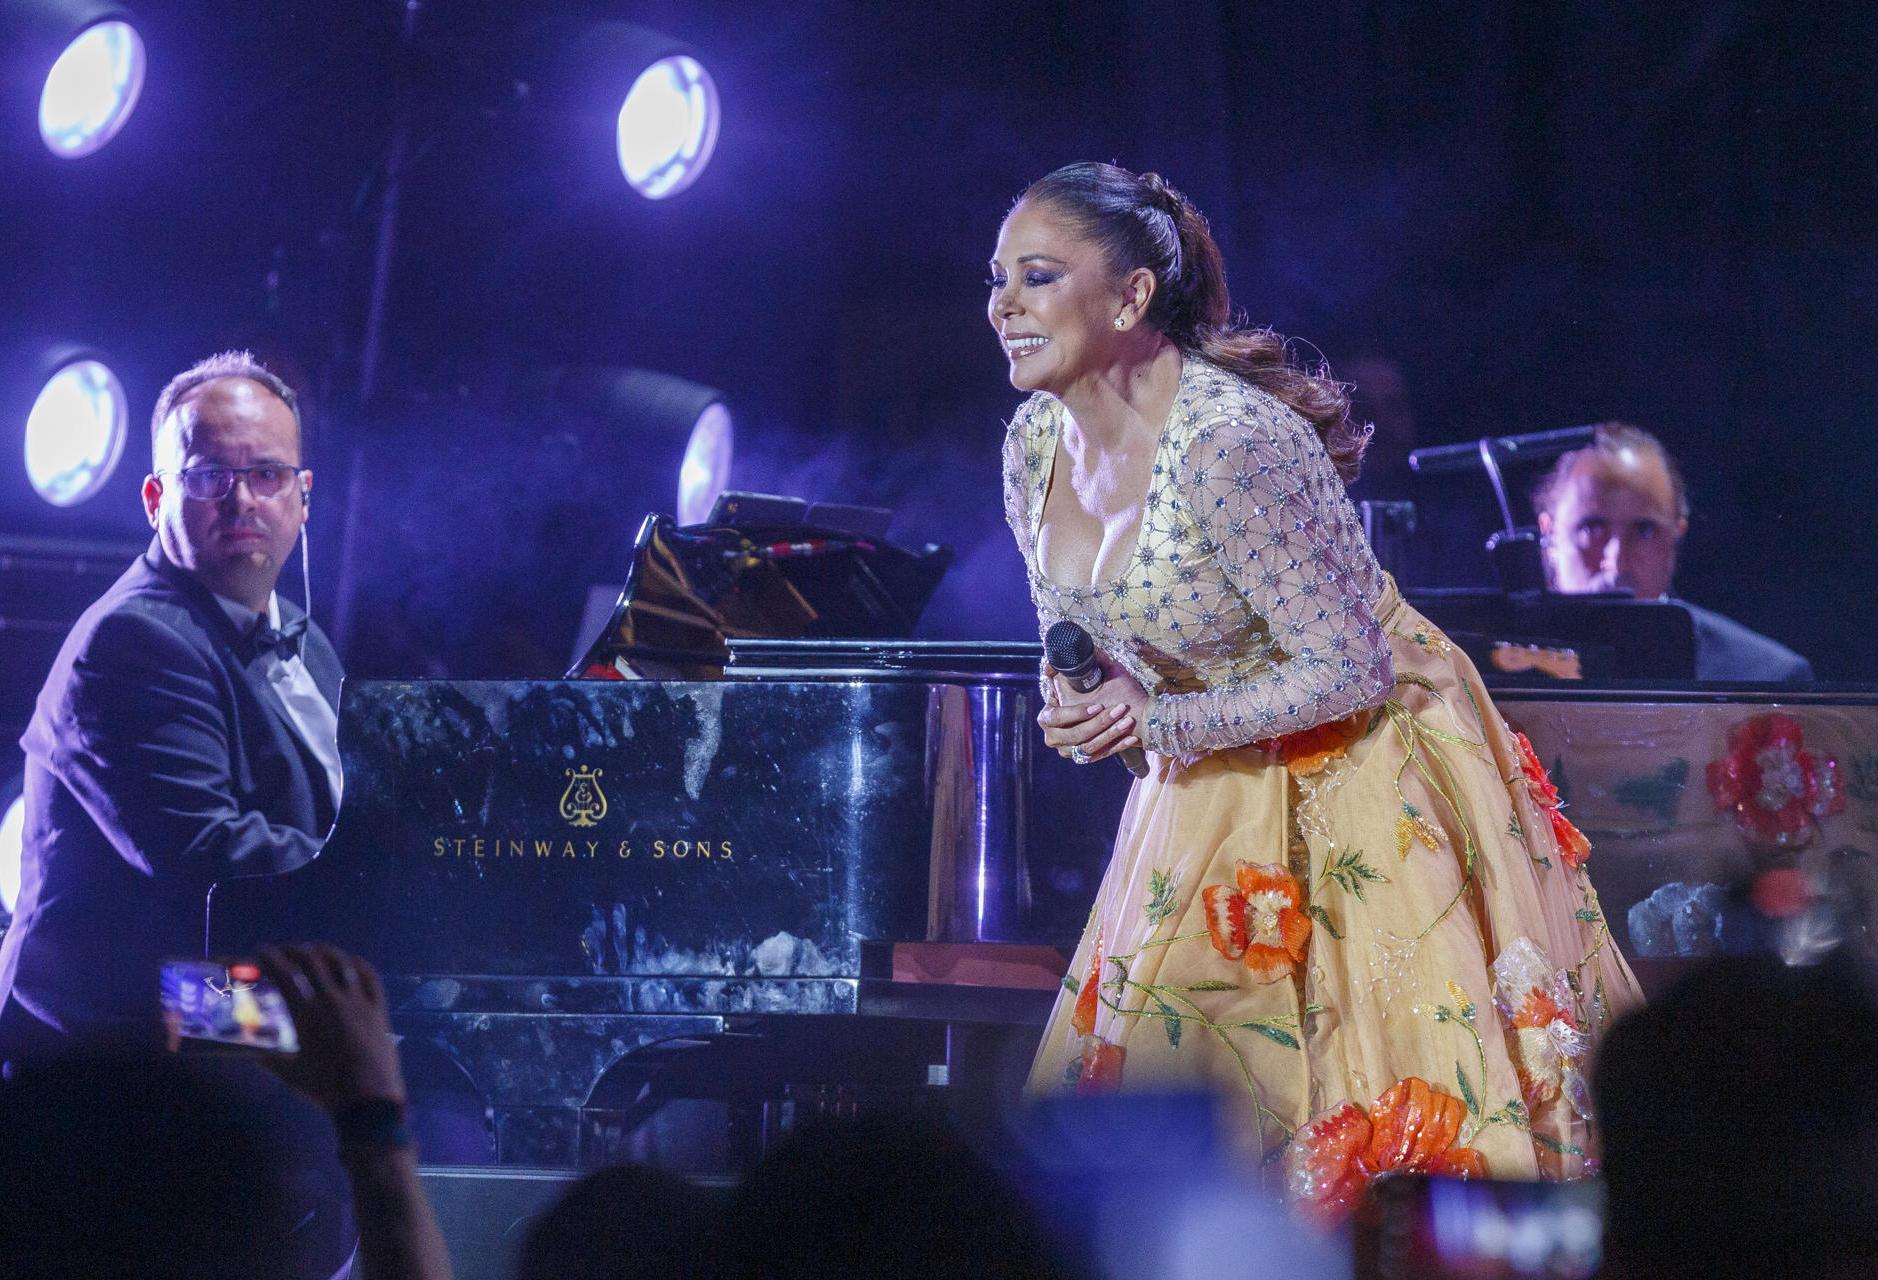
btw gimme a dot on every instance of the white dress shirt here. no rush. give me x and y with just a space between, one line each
306 706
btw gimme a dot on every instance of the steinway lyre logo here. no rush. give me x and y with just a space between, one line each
583 803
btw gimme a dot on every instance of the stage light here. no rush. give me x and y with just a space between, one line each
705 472
615 87
655 416
75 432
12 835
91 89
667 127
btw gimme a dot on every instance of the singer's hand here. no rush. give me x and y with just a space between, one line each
1102 721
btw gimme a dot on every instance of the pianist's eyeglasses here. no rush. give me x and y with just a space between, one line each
213 483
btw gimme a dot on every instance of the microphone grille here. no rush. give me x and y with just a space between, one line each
1068 647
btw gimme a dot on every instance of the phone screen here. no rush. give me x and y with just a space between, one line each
1449 1229
210 1004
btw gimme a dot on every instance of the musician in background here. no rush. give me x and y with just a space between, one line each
1611 517
186 732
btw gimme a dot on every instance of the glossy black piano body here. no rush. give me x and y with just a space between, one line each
753 827
557 875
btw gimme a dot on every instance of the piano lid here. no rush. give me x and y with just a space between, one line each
692 590
1005 662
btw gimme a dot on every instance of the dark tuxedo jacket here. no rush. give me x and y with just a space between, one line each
1726 650
158 761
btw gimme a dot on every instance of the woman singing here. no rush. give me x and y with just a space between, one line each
1344 897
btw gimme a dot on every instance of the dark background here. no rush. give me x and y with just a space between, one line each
1538 215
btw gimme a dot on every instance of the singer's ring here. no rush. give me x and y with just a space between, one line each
1077 754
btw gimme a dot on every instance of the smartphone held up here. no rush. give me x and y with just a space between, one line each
1414 1227
225 1005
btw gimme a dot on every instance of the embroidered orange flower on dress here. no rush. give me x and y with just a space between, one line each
1549 1048
1101 1066
1572 845
1089 995
1537 1059
1413 1128
1311 751
1543 792
1262 923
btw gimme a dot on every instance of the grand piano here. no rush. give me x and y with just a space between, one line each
796 870
796 873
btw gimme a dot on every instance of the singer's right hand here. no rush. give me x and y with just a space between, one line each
1100 731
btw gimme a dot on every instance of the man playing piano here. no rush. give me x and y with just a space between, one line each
187 729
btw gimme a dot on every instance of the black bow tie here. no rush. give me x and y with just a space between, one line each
284 643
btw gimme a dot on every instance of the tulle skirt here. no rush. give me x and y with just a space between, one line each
1376 941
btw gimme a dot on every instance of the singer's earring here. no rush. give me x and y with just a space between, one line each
1121 322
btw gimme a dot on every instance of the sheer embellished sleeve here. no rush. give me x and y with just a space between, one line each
1022 461
1271 510
1017 483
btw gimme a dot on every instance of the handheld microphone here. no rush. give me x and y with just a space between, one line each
1071 652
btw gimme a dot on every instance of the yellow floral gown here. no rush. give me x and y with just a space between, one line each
1344 897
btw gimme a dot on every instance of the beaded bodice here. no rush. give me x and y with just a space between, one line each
1248 609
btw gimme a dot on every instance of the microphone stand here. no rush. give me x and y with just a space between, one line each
1513 551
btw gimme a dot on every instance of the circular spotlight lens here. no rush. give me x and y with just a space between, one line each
91 89
667 127
706 468
12 832
75 433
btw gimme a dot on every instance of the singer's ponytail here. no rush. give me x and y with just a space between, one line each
1140 221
